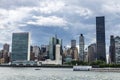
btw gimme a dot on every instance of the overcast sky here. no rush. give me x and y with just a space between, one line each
66 18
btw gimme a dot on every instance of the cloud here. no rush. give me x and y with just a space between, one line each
84 12
9 21
14 16
72 16
49 6
18 14
6 4
111 8
48 21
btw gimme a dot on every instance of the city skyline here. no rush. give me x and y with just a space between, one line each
68 19
60 39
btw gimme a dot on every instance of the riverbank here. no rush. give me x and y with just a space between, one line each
65 66
42 66
105 69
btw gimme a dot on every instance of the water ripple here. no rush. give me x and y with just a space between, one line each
54 74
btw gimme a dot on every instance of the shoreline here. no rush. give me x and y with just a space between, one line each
43 66
105 69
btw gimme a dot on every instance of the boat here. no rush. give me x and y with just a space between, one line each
37 69
82 68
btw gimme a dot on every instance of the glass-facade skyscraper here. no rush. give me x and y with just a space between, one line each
20 47
100 38
52 47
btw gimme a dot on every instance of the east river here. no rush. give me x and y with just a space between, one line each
9 73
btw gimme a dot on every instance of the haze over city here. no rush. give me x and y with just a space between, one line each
66 18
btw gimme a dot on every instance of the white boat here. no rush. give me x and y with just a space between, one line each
82 68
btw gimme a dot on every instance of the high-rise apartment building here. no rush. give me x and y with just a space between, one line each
117 50
81 47
73 51
112 49
100 38
73 43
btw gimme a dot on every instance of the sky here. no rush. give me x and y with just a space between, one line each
66 18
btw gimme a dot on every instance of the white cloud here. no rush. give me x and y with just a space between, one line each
111 7
19 14
49 6
9 21
12 19
84 12
6 4
48 21
13 16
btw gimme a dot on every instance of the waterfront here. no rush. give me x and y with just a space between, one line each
54 74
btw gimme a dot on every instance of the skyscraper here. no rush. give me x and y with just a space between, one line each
117 50
58 54
73 43
100 38
73 51
112 49
52 47
81 47
20 47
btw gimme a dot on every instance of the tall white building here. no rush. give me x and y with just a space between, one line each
117 50
58 55
81 47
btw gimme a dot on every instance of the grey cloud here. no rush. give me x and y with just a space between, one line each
7 4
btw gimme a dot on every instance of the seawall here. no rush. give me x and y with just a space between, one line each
105 69
43 66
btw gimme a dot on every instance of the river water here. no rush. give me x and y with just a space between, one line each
54 74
